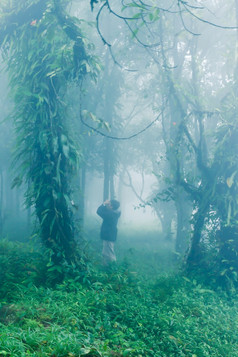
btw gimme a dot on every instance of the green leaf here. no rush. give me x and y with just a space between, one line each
134 33
137 16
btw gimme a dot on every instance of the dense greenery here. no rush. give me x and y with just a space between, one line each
46 52
174 297
48 55
112 313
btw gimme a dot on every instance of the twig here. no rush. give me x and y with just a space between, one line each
206 21
184 25
116 137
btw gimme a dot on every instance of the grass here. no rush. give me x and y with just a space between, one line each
138 308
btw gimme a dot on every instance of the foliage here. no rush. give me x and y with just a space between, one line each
43 55
19 263
114 313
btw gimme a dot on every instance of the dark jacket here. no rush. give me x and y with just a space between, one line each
109 224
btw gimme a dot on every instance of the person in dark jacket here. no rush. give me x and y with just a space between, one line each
109 211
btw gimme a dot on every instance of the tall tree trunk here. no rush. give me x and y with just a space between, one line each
174 149
112 187
106 159
109 159
183 209
82 186
194 254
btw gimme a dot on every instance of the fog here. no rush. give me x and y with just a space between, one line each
132 211
133 102
118 178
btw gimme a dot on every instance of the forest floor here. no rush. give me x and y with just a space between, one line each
143 306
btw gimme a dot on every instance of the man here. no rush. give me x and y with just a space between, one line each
109 212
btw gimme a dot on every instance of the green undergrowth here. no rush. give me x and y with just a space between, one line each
144 250
113 312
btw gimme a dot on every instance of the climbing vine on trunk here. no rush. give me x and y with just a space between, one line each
40 56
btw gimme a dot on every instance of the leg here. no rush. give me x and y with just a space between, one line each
108 253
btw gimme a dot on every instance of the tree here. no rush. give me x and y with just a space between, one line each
187 88
44 50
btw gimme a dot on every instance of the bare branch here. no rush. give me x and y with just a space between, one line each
117 15
206 21
105 42
138 40
184 25
118 64
98 28
111 136
133 114
193 6
133 188
116 137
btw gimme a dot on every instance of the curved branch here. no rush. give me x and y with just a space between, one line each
133 188
157 7
105 42
206 21
193 6
118 64
138 40
98 28
184 25
116 137
125 19
117 15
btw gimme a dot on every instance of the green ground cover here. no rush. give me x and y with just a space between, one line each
141 307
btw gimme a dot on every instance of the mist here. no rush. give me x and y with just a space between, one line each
118 178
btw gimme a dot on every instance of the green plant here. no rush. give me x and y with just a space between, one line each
43 55
115 313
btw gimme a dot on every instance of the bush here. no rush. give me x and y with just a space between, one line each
20 264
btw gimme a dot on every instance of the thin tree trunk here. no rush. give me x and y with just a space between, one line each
106 185
81 181
112 187
194 255
183 226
